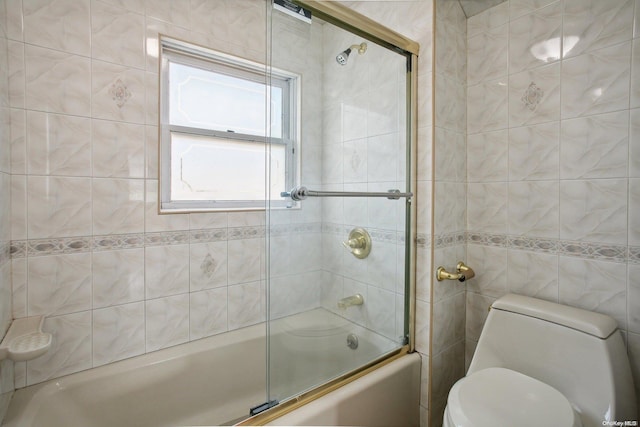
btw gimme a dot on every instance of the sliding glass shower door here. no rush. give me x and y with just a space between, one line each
339 203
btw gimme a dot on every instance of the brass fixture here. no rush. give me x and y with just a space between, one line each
356 299
358 243
464 272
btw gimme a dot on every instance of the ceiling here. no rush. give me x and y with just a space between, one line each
473 7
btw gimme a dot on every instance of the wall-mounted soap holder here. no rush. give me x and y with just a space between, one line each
25 340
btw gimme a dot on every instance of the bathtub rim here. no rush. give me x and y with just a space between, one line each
300 400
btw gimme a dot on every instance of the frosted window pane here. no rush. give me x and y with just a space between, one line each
209 100
208 168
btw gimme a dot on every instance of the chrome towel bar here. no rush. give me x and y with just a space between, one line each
301 193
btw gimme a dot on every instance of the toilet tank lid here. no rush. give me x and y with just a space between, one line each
596 324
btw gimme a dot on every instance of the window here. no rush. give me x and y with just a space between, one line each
217 116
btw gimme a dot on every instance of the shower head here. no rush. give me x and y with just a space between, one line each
342 57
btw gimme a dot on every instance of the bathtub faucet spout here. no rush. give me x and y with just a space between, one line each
356 299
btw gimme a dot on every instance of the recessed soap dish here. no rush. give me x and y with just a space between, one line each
25 340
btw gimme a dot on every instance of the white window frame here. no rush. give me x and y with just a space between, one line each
172 50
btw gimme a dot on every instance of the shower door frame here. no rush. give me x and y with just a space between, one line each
358 24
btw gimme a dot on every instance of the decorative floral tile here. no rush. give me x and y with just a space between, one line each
532 96
119 93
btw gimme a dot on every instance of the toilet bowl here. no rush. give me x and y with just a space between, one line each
539 363
498 396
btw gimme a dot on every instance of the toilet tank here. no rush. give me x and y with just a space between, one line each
578 352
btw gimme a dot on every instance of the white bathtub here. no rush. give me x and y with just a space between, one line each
213 381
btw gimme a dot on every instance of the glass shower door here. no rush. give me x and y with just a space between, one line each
336 279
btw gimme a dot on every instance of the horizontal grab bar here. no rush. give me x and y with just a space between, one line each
301 193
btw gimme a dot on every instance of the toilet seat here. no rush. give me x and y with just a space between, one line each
502 397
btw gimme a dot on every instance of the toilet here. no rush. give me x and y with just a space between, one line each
538 363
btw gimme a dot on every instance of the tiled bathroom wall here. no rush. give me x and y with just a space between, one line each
448 304
89 249
413 19
6 368
364 149
552 158
295 242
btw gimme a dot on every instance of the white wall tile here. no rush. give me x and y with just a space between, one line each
70 348
490 18
633 297
594 285
245 305
151 100
58 206
59 284
136 6
488 156
380 311
449 164
423 333
594 211
535 38
57 82
166 322
518 8
151 152
177 12
381 266
246 219
491 280
476 315
18 142
245 260
634 212
381 157
448 321
59 24
166 270
58 145
635 74
208 265
525 110
487 55
634 143
494 115
117 35
208 313
533 274
597 82
19 287
18 219
381 211
383 108
597 24
534 152
117 92
487 207
447 368
118 149
118 277
534 208
118 333
5 208
451 115
332 163
355 208
118 206
15 22
595 146
16 73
